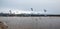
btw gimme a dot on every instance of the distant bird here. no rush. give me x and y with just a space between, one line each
45 10
10 11
31 9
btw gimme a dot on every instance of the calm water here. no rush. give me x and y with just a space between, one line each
32 22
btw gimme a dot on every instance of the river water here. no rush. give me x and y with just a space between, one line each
32 22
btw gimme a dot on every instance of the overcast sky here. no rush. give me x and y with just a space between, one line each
52 6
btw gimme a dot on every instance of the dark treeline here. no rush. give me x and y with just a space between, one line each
2 14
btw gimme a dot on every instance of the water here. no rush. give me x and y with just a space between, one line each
32 22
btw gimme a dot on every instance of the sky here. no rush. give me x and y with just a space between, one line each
52 6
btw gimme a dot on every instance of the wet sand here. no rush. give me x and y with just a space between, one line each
32 22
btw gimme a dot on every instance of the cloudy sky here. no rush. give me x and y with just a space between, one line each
52 6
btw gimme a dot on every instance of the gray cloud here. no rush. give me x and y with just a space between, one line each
52 6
